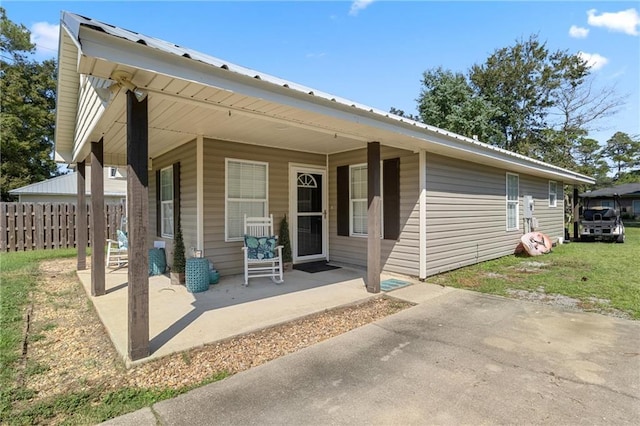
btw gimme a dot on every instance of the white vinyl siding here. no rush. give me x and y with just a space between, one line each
166 201
246 189
553 194
513 203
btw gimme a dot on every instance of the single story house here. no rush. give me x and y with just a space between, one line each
628 195
64 188
206 142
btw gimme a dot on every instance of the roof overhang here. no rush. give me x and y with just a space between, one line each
191 95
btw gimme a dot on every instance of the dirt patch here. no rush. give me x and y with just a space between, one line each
69 349
592 304
530 267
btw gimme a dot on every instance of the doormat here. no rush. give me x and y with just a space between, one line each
313 267
393 284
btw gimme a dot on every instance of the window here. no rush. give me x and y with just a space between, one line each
166 202
513 205
358 200
607 203
553 197
113 172
246 194
352 199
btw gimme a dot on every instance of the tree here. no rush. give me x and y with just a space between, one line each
27 118
520 81
401 113
448 101
589 158
624 152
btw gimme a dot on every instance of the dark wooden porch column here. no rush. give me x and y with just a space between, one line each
98 236
81 218
138 220
373 217
576 214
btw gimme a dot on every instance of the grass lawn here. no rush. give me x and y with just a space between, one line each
602 276
19 277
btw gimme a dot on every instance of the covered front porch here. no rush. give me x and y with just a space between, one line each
179 320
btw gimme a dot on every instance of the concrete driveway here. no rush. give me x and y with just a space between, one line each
457 358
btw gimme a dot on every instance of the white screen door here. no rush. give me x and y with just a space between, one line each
309 221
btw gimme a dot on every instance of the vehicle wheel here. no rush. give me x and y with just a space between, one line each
621 238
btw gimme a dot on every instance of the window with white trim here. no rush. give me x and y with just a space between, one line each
166 201
553 194
358 200
513 201
246 194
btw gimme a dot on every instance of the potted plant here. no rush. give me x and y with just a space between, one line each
283 240
179 260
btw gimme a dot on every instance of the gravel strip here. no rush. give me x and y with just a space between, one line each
69 349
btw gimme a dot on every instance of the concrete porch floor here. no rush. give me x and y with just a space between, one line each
179 320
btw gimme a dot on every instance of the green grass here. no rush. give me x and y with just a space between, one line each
584 271
19 276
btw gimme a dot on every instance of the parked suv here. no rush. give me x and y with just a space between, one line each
602 223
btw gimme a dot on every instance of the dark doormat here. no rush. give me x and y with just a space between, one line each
313 267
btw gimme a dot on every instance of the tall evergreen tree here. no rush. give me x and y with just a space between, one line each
624 153
27 117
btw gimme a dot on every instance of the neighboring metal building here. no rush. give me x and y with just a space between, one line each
64 188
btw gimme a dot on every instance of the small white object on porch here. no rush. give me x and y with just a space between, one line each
262 257
117 250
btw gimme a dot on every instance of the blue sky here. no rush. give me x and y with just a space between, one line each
373 52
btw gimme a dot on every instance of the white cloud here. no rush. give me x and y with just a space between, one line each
45 37
315 55
359 5
595 61
578 32
625 21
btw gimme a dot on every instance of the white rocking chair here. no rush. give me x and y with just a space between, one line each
262 257
117 250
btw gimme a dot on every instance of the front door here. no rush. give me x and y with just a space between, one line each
309 216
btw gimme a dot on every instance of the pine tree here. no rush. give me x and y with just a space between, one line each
179 259
283 240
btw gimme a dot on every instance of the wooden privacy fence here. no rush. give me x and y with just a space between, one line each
36 226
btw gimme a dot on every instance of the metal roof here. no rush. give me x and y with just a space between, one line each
193 94
68 185
626 189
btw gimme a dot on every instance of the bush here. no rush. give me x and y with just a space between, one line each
179 260
283 240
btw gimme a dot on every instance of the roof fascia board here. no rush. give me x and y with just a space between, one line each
117 50
63 149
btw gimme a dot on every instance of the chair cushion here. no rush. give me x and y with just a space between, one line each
260 248
123 241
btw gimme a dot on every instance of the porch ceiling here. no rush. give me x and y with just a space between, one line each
189 109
